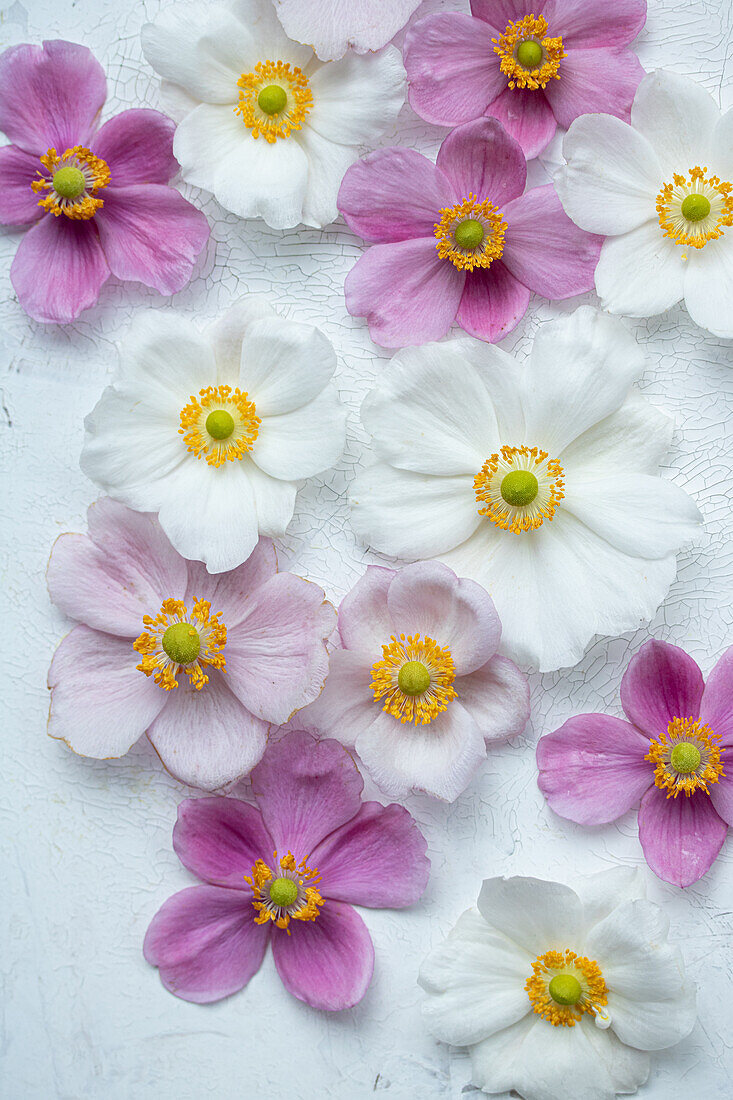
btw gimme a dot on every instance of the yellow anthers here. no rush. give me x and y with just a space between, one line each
490 480
528 57
70 182
592 992
273 123
696 208
197 425
425 691
465 255
686 758
166 648
308 901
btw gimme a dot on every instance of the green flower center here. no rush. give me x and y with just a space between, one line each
529 54
469 234
520 487
220 424
272 99
695 207
565 989
181 643
69 182
413 678
685 758
283 892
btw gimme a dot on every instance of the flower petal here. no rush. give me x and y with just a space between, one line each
393 194
166 350
716 707
219 839
708 286
357 98
497 698
641 273
284 365
531 912
365 623
678 117
594 81
138 147
328 163
588 23
527 117
661 682
346 706
480 158
274 501
59 269
338 25
227 332
680 836
304 442
493 302
205 943
592 769
18 201
604 891
228 593
634 438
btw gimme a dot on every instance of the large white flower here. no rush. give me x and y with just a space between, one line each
269 128
333 26
559 994
537 481
661 190
213 430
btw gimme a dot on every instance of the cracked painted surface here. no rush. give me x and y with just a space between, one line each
87 855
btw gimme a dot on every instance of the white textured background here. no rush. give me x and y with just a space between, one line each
87 855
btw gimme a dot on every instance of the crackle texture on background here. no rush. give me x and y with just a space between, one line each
87 844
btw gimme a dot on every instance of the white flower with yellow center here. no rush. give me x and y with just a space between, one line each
661 191
214 431
265 125
559 993
540 481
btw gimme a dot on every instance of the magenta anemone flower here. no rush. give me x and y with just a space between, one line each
288 871
202 663
97 200
671 755
533 65
457 240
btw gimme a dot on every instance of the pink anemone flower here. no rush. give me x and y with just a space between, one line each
202 663
286 872
458 240
533 65
670 755
97 200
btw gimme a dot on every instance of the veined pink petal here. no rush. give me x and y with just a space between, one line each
497 698
584 23
493 302
228 593
526 116
219 840
365 624
716 708
661 682
595 81
59 269
480 158
500 13
18 201
346 706
680 836
393 195
138 147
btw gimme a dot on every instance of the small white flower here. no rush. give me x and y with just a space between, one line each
268 128
539 482
213 431
333 26
560 993
661 190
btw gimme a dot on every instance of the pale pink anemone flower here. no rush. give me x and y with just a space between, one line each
533 65
287 872
458 240
97 200
332 27
418 688
673 754
202 663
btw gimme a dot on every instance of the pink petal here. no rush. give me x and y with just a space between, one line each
207 738
721 793
680 836
18 201
100 703
228 593
592 769
346 706
327 962
205 943
50 95
595 81
276 655
527 117
661 683
716 708
500 13
480 158
377 859
545 250
123 570
407 293
452 69
497 698
305 789
493 302
59 269
219 839
138 147
365 624
584 23
393 195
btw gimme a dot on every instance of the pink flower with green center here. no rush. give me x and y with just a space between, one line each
674 754
97 201
286 872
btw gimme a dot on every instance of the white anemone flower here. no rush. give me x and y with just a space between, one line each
267 127
661 190
333 26
539 481
214 430
558 993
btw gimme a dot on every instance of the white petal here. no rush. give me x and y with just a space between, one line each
259 179
284 365
333 26
497 697
166 350
272 42
346 706
226 333
612 177
476 981
640 273
204 139
603 891
722 145
356 99
274 501
536 914
634 438
327 166
678 118
305 442
709 286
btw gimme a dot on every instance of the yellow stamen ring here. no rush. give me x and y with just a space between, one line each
176 639
695 210
519 488
527 56
564 986
414 679
470 234
686 758
70 183
274 99
220 425
292 895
